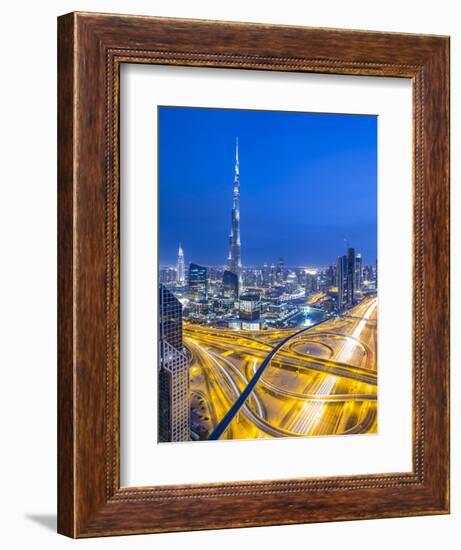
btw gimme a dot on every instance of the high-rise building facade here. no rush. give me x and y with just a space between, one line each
230 285
198 283
341 278
348 278
173 373
350 289
180 272
249 307
330 276
358 272
280 275
234 261
272 276
311 283
266 272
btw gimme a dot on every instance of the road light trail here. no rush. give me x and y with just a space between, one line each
311 413
314 396
304 381
242 378
257 418
224 424
329 365
348 347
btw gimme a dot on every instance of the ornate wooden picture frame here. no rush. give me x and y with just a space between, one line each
92 48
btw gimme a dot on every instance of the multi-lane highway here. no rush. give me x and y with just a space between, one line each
322 381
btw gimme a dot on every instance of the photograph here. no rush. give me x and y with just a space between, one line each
267 280
230 237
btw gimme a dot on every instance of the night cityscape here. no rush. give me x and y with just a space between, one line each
275 347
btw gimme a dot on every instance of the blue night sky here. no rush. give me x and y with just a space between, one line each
308 181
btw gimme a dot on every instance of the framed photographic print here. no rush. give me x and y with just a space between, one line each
253 275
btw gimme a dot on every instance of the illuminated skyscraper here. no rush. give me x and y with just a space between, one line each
173 373
234 262
281 271
350 276
272 276
198 283
358 272
266 273
180 273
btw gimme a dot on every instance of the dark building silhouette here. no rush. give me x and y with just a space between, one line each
349 278
330 276
230 285
350 286
173 373
341 283
311 283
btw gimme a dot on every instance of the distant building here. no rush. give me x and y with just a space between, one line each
214 274
249 307
368 273
272 276
167 275
201 307
330 276
230 284
280 274
198 283
341 281
266 273
358 272
311 283
180 272
350 286
348 278
291 281
173 373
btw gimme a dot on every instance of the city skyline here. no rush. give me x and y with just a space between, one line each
181 213
252 343
274 261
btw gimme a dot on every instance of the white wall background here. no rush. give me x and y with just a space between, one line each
28 270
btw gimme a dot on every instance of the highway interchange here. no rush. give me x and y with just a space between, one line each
320 382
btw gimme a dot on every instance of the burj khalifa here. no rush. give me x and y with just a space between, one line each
234 262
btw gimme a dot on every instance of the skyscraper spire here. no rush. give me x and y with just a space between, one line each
180 275
234 263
